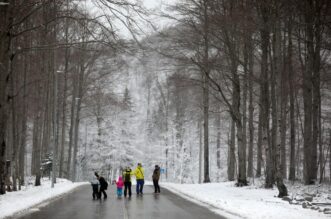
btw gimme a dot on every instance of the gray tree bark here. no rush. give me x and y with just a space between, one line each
206 72
231 152
244 101
77 117
309 149
218 139
259 137
5 42
250 171
292 104
265 101
72 125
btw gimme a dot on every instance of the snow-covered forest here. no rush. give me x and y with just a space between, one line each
225 91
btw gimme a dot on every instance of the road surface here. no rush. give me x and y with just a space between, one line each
79 205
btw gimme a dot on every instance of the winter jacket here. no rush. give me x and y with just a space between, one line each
156 173
127 175
95 185
103 183
139 172
120 183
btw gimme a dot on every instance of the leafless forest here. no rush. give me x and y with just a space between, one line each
250 76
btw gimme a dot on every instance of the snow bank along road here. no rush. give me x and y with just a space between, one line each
79 205
14 202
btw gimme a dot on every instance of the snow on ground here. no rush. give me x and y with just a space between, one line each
243 202
16 202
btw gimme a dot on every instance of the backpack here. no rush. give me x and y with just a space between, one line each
127 177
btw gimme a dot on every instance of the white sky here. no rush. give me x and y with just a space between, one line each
152 3
157 3
156 6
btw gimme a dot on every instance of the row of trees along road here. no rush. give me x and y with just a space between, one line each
265 63
48 50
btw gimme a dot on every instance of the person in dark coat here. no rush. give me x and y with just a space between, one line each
103 185
156 178
127 181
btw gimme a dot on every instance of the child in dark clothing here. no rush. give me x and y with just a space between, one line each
95 189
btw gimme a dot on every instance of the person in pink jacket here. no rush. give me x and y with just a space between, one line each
120 185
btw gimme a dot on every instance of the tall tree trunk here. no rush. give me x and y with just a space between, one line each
65 87
273 150
316 81
265 103
241 180
218 139
52 69
37 147
72 125
23 134
36 141
206 71
292 103
259 138
279 154
330 155
206 130
200 151
5 50
244 101
14 159
64 115
283 121
250 109
77 118
231 152
309 149
37 134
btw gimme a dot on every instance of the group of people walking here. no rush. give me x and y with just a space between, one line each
125 181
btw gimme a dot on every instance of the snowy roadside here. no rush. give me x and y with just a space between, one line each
13 203
243 202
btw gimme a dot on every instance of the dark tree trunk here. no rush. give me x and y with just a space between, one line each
308 145
231 152
77 118
218 139
14 142
292 103
206 178
265 105
5 46
206 71
72 125
244 103
250 171
259 140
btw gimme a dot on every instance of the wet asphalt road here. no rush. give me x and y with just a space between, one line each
79 205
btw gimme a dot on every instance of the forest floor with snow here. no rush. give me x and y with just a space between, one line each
13 203
254 201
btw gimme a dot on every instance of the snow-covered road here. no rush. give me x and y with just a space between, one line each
79 205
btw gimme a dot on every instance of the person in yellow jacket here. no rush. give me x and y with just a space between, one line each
139 173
